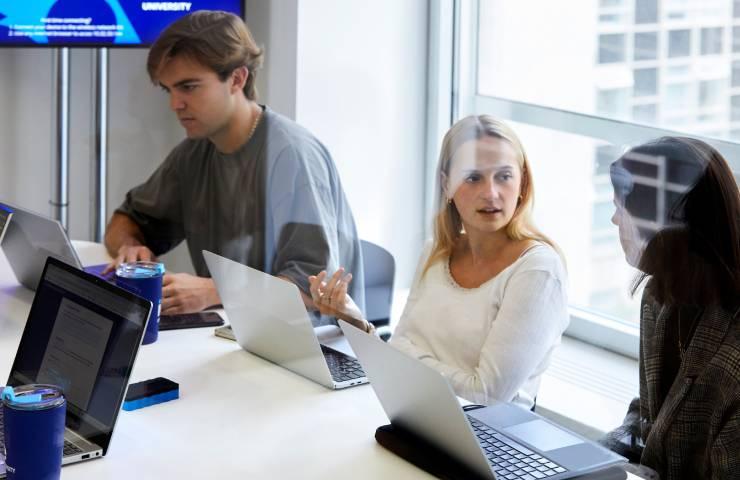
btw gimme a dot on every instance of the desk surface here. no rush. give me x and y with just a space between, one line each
238 416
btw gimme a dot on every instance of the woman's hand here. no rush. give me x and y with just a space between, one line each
331 298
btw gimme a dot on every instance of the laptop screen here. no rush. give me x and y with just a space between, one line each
82 334
5 214
29 239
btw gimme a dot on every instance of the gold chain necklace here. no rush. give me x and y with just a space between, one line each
254 125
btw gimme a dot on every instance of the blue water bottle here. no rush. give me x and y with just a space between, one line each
34 431
145 280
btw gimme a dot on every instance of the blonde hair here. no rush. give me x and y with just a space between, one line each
218 40
447 223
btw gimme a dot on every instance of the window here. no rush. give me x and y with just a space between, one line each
735 39
736 8
646 11
647 114
711 41
735 79
678 71
611 48
735 108
576 111
677 96
646 46
605 155
613 102
646 82
679 43
610 18
602 215
711 92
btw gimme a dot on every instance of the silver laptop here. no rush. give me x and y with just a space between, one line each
5 214
502 441
269 319
83 335
30 238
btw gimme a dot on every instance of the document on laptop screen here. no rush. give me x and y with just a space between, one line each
75 351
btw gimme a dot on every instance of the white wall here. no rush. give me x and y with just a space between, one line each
350 71
274 25
25 127
141 132
362 91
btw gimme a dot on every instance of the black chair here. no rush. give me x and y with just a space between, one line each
380 271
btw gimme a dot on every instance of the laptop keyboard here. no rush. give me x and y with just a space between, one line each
342 367
509 459
68 449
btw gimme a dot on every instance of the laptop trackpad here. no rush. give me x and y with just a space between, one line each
542 435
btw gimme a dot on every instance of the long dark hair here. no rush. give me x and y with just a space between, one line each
692 254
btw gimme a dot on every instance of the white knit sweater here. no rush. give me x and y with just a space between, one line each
492 342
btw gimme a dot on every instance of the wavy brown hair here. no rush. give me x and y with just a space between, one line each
218 40
447 223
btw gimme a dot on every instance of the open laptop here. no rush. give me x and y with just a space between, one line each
269 319
502 441
30 238
82 334
5 214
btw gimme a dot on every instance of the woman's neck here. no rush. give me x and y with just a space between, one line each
487 246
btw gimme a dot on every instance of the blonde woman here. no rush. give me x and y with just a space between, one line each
488 303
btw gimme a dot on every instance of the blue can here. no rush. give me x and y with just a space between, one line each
34 431
145 280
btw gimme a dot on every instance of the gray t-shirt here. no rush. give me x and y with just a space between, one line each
276 204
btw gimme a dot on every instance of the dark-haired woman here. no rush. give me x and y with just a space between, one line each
686 422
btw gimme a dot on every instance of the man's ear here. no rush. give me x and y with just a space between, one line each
239 78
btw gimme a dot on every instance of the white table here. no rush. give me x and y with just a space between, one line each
238 416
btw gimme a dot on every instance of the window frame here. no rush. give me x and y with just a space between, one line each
453 93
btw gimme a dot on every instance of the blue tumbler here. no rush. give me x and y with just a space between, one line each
145 280
34 431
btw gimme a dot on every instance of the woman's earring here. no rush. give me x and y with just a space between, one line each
449 200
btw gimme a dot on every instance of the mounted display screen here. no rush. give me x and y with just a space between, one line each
95 23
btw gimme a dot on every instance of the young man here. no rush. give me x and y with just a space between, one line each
247 183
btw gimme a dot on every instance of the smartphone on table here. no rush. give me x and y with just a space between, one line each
190 320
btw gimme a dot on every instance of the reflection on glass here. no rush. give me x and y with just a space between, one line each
711 41
735 39
711 92
646 46
524 56
645 113
646 11
679 43
673 74
611 48
646 82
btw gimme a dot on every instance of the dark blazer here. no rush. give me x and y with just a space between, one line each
693 432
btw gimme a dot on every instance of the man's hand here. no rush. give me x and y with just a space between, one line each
130 253
185 293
